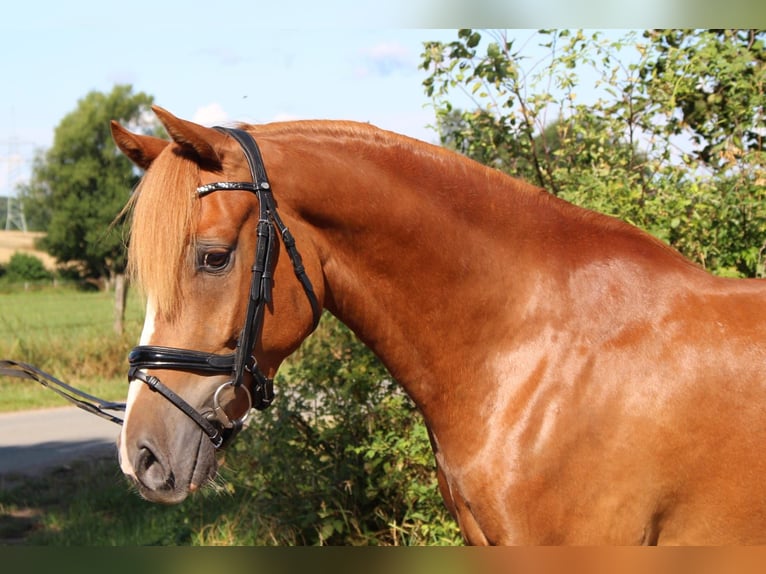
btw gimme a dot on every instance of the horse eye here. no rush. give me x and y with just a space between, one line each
215 260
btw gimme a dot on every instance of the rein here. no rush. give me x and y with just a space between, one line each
217 424
79 398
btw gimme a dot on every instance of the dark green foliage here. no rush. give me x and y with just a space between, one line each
342 457
82 182
25 267
672 141
715 79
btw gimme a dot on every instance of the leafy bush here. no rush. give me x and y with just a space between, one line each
25 267
342 457
664 130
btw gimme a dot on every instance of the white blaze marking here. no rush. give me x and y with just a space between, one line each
134 388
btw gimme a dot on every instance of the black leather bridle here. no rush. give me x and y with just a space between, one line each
216 423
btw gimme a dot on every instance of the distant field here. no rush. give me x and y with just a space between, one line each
67 333
24 241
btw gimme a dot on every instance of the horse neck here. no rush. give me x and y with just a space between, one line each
441 265
418 245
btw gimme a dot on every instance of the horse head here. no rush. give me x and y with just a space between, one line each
204 246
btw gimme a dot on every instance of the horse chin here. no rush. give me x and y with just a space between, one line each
175 496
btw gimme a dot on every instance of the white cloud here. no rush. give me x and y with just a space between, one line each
210 115
385 59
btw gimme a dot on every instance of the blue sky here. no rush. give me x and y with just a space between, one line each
239 63
243 60
362 75
365 75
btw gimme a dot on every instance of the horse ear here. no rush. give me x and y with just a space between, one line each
200 142
140 149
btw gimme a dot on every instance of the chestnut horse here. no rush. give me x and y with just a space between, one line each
582 382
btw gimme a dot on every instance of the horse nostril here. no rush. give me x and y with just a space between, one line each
145 460
151 472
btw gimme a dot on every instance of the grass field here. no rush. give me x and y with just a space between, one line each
62 330
89 503
278 481
69 334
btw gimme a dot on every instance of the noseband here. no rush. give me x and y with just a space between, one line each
216 423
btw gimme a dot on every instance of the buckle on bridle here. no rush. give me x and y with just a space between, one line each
263 386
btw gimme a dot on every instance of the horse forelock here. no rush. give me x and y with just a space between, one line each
164 209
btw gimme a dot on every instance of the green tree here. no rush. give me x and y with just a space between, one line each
671 141
711 84
82 182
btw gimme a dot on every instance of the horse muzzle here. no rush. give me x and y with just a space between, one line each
231 402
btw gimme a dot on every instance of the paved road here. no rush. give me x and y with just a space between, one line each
33 441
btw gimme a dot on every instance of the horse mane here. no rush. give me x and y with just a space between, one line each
163 212
164 208
163 216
